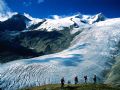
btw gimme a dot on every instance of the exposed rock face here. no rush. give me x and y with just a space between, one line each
46 42
34 43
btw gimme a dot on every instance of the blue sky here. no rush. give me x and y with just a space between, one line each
45 8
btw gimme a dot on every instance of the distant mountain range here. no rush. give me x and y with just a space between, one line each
37 51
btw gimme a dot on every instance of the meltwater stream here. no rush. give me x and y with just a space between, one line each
91 52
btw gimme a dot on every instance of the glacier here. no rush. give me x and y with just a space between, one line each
90 52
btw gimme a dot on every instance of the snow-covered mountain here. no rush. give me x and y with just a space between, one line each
55 23
58 23
87 46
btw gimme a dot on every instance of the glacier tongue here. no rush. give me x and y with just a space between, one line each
91 52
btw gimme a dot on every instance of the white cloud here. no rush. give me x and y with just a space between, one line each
3 7
5 11
40 1
4 17
56 17
27 3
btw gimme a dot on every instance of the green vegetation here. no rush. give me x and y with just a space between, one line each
74 87
114 74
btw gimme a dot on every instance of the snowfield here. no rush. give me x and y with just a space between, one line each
91 52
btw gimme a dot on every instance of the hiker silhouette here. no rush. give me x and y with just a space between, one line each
95 79
76 80
69 82
62 82
85 78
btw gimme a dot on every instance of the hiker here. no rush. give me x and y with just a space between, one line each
69 83
94 79
85 78
76 80
62 82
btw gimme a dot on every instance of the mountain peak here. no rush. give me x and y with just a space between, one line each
20 16
96 18
100 14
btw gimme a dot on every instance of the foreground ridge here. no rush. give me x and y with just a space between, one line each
74 87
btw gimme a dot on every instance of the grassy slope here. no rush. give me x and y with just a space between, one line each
75 87
114 75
